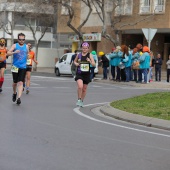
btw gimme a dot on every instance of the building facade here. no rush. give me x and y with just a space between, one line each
18 16
134 15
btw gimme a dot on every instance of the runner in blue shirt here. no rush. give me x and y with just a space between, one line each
20 53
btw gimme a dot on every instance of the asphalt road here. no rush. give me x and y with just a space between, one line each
48 132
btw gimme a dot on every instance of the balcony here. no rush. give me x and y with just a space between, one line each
38 28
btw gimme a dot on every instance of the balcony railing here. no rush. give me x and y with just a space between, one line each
38 28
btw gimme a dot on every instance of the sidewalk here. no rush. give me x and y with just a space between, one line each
45 70
155 84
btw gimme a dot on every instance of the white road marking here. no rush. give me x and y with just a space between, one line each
95 86
111 88
54 78
31 87
62 87
35 84
77 110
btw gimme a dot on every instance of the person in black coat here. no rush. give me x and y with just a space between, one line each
158 63
105 63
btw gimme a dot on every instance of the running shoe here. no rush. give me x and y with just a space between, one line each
81 104
0 89
18 101
27 91
78 103
14 97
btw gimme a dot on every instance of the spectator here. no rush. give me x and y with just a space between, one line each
127 56
150 74
168 69
144 60
135 63
105 63
115 59
112 66
94 54
139 49
158 63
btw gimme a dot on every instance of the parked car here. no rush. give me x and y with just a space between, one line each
63 66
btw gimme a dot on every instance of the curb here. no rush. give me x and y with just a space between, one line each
154 85
134 118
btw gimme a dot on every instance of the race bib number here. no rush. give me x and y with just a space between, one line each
28 61
14 69
84 67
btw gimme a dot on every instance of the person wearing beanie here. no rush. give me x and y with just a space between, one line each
94 54
105 64
144 60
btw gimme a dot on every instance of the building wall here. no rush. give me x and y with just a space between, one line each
152 20
63 19
46 57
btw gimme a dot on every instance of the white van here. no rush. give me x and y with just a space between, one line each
63 65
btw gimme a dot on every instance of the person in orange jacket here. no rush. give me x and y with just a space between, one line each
30 59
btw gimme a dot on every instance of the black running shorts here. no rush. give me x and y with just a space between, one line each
29 68
20 76
2 65
85 78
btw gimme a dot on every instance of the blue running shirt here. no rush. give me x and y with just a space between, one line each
20 59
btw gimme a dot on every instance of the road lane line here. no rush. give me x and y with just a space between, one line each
77 110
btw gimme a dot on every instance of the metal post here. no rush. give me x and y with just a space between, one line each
149 40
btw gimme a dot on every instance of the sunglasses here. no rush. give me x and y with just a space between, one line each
21 39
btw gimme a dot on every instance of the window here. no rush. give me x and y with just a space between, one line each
64 9
63 58
145 6
159 6
128 7
154 6
124 7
